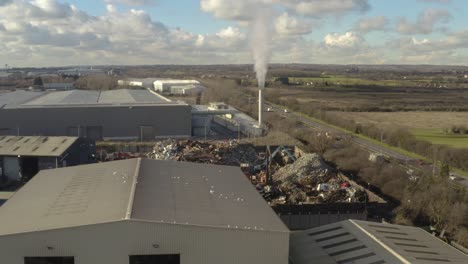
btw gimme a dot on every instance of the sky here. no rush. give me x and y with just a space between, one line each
43 33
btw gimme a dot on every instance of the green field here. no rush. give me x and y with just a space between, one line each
339 80
437 136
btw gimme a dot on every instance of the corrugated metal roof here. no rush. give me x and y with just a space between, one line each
364 242
77 98
17 98
138 190
35 145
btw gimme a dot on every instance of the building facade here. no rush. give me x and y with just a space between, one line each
119 114
141 211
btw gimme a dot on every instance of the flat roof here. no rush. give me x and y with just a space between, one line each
38 146
81 98
363 242
168 192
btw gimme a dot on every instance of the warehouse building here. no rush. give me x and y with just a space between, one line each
138 82
354 241
23 157
178 86
117 114
59 86
141 211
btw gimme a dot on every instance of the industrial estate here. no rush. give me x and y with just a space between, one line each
152 171
133 159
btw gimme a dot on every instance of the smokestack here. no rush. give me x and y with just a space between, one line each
260 107
260 30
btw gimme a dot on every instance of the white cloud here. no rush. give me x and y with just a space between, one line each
346 40
324 7
228 9
425 23
368 24
290 25
133 2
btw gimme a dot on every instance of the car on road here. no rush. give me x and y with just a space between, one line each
286 111
269 109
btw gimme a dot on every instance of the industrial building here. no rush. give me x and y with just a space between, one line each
59 86
354 241
116 114
165 86
145 82
178 86
23 157
141 211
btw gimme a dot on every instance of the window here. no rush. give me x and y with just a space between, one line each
155 259
49 260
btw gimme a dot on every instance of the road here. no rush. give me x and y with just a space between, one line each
369 146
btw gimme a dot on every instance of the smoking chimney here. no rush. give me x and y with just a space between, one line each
260 106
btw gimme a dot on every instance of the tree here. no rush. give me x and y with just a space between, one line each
444 170
282 80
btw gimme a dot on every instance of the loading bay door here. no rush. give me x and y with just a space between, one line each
155 259
11 168
49 260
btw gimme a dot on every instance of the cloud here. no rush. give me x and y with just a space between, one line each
242 9
133 2
377 23
232 10
55 33
289 25
425 23
346 40
326 7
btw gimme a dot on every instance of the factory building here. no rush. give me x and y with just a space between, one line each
178 86
141 211
165 86
59 86
354 241
23 157
117 114
136 82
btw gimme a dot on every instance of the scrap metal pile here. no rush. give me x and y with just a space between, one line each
310 180
224 153
304 180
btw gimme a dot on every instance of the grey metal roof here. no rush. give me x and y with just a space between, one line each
138 190
16 98
354 241
35 145
84 98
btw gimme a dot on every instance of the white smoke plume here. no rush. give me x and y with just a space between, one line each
260 37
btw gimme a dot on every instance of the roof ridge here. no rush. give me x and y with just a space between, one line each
389 249
128 213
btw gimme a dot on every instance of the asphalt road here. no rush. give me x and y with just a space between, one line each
369 146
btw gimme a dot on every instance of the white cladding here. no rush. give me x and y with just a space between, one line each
164 86
115 242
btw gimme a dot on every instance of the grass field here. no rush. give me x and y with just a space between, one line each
424 125
410 120
341 80
437 136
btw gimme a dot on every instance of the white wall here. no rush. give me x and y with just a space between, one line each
114 242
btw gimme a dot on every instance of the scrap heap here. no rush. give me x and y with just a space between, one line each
224 153
310 180
305 180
